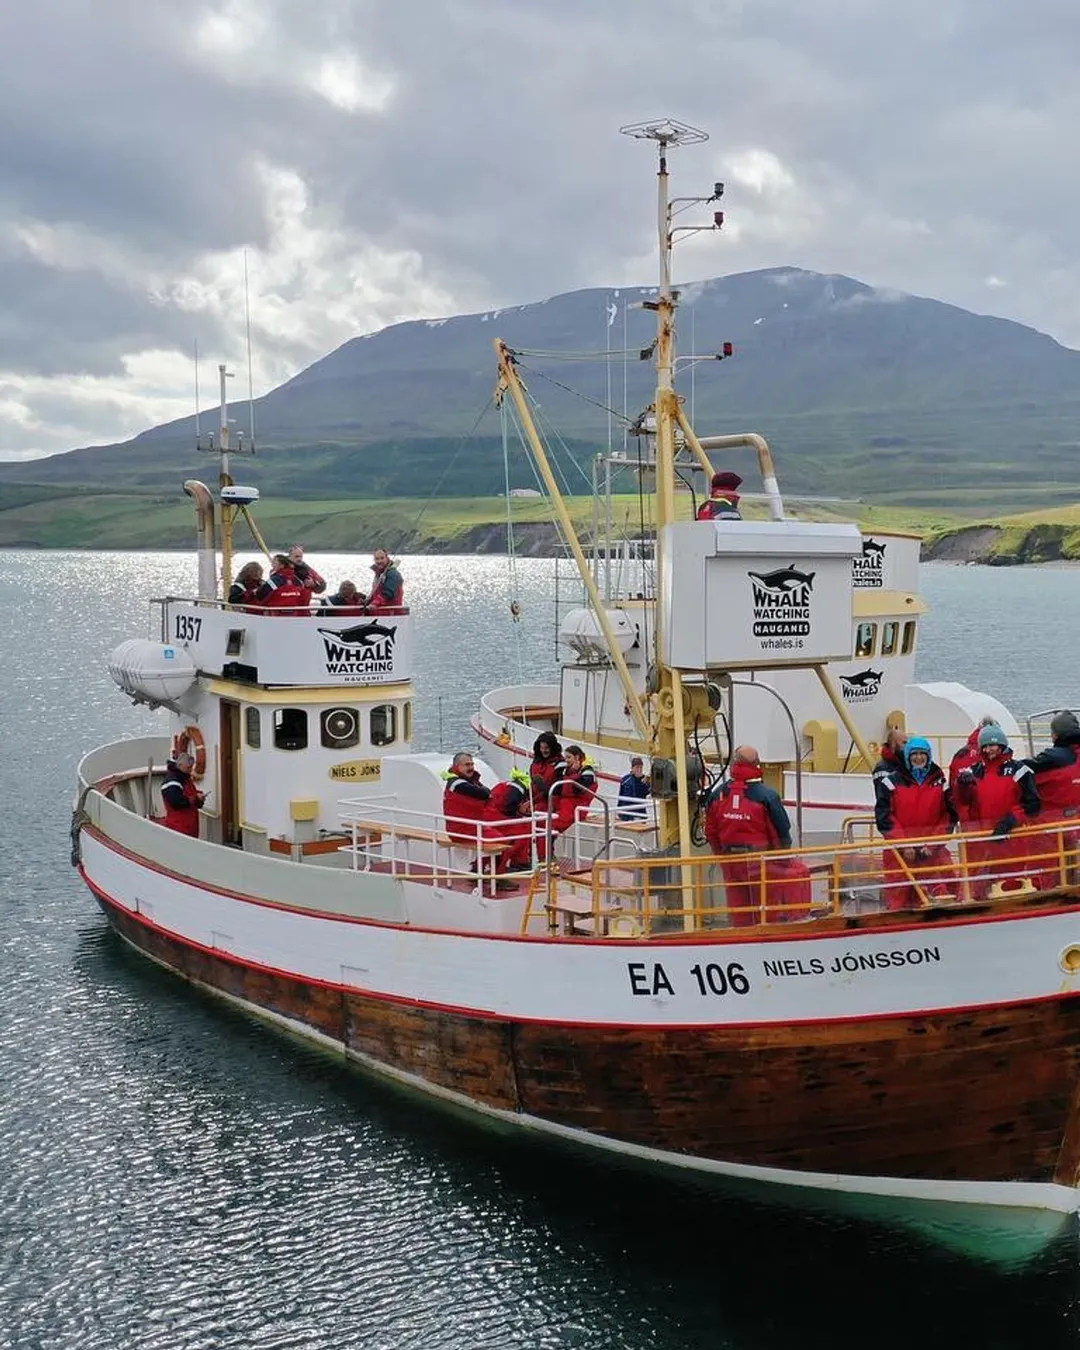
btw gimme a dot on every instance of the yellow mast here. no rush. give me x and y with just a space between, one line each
510 383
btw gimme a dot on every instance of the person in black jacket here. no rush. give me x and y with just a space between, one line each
245 589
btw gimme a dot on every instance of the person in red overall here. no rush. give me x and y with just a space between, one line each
283 592
245 589
511 801
304 572
572 790
965 758
997 791
471 817
913 802
181 797
746 816
1057 778
388 590
547 763
723 500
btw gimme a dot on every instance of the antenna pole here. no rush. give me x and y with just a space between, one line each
247 323
673 815
196 393
224 480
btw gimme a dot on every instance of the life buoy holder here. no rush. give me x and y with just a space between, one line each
190 741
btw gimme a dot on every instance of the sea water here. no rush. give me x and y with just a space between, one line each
174 1176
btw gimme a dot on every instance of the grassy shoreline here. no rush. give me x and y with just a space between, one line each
45 518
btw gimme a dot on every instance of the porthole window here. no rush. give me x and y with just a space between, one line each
909 637
890 635
252 728
290 729
865 639
340 728
383 724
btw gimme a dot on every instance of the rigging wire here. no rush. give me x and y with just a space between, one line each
577 394
451 462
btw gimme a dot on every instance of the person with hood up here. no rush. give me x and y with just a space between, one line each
913 802
547 761
723 500
388 590
511 801
997 792
746 816
1057 777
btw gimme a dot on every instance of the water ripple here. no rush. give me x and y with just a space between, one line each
177 1178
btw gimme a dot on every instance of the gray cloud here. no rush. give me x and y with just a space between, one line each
380 162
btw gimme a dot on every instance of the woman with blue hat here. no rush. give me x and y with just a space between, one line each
913 802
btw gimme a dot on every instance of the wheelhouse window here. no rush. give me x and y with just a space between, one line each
909 637
383 724
890 635
865 639
290 729
252 728
406 722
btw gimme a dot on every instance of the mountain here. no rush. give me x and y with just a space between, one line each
858 390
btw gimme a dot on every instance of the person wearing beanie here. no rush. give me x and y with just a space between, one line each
997 792
1057 777
1057 770
723 502
965 757
913 802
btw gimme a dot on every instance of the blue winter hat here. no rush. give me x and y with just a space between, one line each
917 743
993 735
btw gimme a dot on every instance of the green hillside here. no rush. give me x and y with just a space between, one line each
862 393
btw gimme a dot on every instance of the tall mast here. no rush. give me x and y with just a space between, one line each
669 742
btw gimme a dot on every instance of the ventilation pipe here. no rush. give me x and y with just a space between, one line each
207 542
765 463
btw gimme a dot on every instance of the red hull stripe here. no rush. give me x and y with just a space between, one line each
483 1014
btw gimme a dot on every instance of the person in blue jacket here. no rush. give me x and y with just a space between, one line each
633 789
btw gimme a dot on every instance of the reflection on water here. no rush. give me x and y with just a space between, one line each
175 1176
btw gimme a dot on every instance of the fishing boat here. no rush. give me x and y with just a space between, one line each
922 1064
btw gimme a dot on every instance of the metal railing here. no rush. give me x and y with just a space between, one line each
425 845
649 896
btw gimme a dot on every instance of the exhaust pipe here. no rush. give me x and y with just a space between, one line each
206 537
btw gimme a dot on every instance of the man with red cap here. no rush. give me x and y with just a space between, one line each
723 503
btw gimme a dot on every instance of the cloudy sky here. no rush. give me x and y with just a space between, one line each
378 160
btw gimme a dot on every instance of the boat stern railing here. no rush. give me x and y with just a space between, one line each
644 897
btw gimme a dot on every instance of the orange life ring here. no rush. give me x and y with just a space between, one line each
190 741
